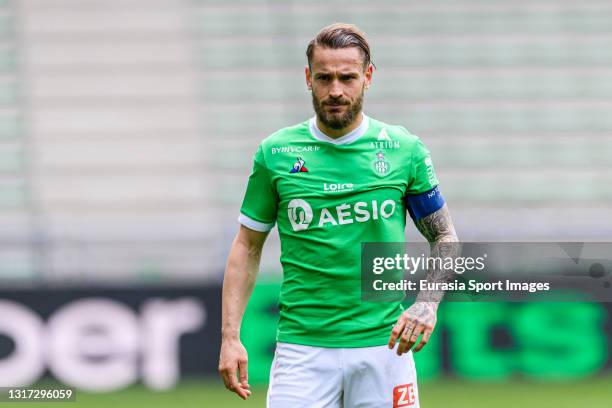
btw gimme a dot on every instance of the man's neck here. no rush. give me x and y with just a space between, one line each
338 133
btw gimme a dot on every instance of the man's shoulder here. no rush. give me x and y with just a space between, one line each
385 131
286 134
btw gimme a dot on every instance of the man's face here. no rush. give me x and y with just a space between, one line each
337 79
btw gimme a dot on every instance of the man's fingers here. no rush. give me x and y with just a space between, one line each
226 374
237 388
412 339
424 340
244 373
406 337
225 378
409 338
231 383
397 331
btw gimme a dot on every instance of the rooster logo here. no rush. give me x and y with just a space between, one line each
298 166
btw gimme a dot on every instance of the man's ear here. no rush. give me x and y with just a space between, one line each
368 76
308 77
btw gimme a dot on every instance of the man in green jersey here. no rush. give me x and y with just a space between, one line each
331 183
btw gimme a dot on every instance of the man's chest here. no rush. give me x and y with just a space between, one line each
331 174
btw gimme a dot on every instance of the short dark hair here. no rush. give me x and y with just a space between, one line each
341 35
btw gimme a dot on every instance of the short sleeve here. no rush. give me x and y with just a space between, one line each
423 176
260 203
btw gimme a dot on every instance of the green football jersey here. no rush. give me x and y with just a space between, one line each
327 196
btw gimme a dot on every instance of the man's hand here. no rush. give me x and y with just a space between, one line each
420 318
233 360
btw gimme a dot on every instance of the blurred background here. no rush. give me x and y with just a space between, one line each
127 130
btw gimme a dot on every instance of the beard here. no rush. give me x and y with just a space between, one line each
337 120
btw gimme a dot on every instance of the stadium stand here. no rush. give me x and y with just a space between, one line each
141 118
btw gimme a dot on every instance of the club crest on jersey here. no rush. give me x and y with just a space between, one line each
298 166
380 165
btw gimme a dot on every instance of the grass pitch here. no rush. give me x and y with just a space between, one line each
209 393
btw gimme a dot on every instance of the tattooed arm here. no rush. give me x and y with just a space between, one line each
420 318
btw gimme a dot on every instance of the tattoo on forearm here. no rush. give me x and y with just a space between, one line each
438 226
439 231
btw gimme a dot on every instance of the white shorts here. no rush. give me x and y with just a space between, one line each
318 377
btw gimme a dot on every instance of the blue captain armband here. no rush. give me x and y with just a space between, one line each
421 205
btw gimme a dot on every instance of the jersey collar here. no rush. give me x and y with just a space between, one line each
346 139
